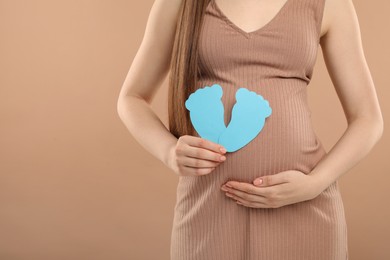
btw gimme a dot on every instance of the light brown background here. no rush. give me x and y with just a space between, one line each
74 183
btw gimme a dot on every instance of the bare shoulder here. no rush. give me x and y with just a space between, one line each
343 53
163 15
336 13
151 62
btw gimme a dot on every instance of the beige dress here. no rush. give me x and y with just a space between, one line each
277 62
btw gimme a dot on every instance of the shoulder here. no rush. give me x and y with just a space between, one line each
168 4
337 13
166 8
163 18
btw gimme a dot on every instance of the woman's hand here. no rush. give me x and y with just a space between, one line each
195 156
274 191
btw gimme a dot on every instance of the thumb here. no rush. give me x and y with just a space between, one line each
258 181
269 180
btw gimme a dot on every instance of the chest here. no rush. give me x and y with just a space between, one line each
250 16
289 40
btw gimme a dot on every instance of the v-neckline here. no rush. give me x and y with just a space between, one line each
251 33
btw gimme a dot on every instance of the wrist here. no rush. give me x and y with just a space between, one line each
168 154
319 181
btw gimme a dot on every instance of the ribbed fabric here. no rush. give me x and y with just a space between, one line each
277 62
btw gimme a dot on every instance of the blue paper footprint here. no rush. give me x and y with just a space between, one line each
248 118
207 116
207 112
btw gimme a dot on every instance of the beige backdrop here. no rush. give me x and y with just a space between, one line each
74 183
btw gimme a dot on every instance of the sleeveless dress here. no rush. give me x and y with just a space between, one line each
276 61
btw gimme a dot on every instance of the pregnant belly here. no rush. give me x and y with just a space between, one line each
287 142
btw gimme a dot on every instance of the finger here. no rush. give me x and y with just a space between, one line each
270 180
246 196
205 144
246 203
195 162
201 153
245 187
249 188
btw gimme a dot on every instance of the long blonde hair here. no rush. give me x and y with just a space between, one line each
184 70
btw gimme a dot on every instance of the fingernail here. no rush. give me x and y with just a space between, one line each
223 158
258 181
222 150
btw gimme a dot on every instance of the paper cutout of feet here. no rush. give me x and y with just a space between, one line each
248 116
248 119
207 112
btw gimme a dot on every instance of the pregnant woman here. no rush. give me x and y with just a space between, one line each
255 182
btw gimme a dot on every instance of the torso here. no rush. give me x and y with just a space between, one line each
273 58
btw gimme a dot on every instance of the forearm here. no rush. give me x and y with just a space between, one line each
355 143
146 127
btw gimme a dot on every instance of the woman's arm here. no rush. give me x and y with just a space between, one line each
187 155
146 74
350 75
